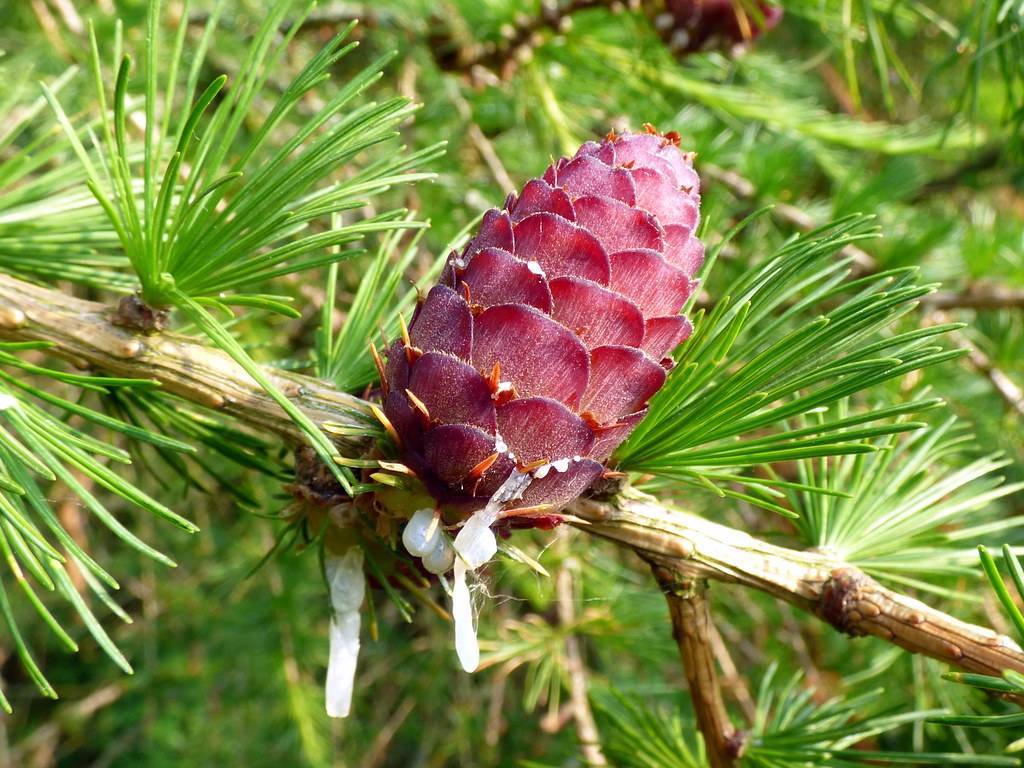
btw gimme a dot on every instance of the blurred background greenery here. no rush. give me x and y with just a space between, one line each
908 111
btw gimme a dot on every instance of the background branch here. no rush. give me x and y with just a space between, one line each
977 296
583 716
743 189
1008 390
502 58
834 591
692 628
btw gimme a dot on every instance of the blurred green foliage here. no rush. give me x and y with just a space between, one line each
905 111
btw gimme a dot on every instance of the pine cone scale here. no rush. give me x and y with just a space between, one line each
651 283
597 315
560 248
537 356
495 276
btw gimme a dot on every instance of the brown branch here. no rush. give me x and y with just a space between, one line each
484 62
832 590
40 746
692 629
984 160
977 296
482 145
81 331
732 680
1008 390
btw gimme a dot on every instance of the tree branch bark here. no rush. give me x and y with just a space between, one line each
742 189
834 591
1007 389
81 332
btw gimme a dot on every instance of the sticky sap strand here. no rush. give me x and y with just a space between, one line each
466 646
475 545
347 585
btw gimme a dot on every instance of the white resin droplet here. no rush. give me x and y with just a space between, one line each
512 488
347 584
440 559
499 443
536 268
476 543
561 465
541 472
6 401
421 532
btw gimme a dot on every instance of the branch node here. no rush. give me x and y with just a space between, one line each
736 744
132 312
314 482
675 585
12 318
843 599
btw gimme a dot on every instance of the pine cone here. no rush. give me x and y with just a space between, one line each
691 26
545 338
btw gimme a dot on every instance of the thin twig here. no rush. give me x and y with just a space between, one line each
481 143
69 13
378 755
586 726
42 744
732 680
69 512
835 591
984 160
976 296
691 628
836 84
50 27
743 189
1011 394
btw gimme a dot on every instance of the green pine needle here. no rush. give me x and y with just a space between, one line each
762 358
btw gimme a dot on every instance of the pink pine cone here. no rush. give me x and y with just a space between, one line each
547 336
